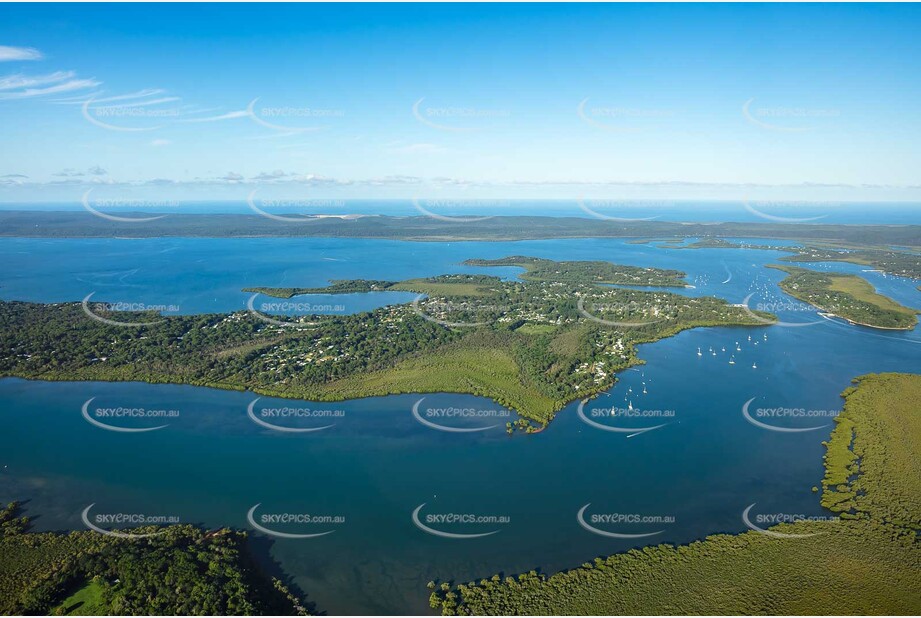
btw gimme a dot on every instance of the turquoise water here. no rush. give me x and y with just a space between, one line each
377 463
662 210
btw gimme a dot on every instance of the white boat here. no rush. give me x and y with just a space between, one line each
754 365
699 353
732 360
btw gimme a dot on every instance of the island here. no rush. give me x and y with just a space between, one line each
846 296
865 560
532 345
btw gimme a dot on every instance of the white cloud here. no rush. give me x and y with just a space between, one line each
11 82
26 86
8 53
160 142
227 116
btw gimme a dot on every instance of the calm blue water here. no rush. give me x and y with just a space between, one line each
377 463
661 210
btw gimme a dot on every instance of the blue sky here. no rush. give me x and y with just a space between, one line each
796 102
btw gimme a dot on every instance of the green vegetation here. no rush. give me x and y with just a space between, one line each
87 601
449 285
866 563
872 467
531 345
900 263
847 296
180 571
538 269
336 287
32 224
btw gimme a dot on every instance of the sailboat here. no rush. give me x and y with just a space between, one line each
754 365
732 360
699 353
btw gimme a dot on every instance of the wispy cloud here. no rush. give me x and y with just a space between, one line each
8 54
228 116
28 86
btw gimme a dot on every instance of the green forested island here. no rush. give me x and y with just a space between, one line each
179 570
847 296
532 345
867 562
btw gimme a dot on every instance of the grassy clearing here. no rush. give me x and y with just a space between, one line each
488 372
847 296
87 601
531 328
